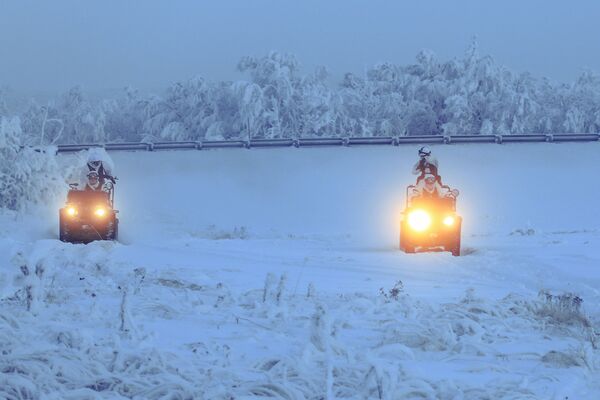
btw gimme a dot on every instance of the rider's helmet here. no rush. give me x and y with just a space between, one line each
94 157
424 151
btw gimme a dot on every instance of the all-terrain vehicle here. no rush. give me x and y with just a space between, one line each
89 215
430 224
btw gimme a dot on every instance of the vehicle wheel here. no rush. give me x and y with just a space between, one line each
455 250
113 230
64 237
455 246
63 232
404 246
402 241
116 234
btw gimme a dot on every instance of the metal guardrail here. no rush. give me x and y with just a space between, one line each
352 141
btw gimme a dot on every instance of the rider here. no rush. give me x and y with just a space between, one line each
99 162
93 182
429 188
426 165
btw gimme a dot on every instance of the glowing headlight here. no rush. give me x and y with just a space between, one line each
71 211
449 220
419 220
100 212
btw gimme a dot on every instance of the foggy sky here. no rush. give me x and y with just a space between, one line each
49 46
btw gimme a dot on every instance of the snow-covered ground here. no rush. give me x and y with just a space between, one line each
276 274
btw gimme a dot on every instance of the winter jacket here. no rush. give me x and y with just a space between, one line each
426 165
438 191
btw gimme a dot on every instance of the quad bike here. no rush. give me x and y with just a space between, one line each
430 224
89 215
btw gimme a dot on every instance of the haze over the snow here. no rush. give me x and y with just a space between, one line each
48 47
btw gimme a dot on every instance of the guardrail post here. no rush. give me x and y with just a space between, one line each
447 139
296 143
498 139
549 137
198 145
345 141
395 141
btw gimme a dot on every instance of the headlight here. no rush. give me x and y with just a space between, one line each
100 212
71 211
449 220
419 220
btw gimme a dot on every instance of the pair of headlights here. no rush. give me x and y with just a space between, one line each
420 220
98 211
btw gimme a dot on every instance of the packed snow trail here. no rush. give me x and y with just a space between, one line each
276 273
357 190
335 212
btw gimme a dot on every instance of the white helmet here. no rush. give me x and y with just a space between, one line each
96 154
424 151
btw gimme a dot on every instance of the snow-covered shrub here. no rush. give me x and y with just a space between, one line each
393 293
27 175
562 308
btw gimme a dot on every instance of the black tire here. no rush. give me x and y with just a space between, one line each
116 234
455 250
455 246
63 232
404 245
112 230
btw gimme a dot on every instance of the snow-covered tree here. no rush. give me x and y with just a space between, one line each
81 120
69 119
278 77
468 95
125 116
42 125
28 175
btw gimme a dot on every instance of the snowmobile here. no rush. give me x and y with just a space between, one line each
89 215
430 224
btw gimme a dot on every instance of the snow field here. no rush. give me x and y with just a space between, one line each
105 330
275 274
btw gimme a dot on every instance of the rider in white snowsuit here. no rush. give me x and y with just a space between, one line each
99 161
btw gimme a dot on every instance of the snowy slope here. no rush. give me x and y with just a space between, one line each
271 273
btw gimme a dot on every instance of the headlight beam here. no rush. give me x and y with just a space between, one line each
419 220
